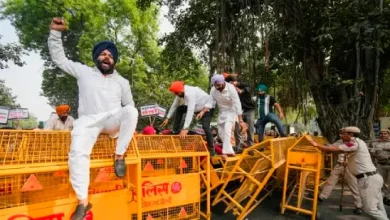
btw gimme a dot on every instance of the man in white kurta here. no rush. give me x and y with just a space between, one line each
105 105
195 101
229 106
61 121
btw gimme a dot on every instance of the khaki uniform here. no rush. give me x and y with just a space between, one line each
337 172
369 183
381 152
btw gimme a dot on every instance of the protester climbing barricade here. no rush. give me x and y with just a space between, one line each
172 178
256 167
302 178
34 177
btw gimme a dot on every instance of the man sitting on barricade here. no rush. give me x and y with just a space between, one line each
102 93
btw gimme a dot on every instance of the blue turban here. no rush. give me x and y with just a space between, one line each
105 45
261 87
218 78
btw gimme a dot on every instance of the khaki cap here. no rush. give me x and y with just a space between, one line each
351 129
384 130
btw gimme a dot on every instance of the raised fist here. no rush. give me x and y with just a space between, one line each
58 24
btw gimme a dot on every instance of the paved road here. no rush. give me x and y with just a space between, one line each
269 209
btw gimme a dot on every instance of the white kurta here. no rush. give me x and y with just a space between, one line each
195 99
54 123
229 106
100 110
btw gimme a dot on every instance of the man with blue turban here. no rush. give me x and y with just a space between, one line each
105 106
264 103
229 109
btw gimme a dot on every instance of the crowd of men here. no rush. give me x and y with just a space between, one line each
106 106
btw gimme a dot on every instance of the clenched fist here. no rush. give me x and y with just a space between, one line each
58 24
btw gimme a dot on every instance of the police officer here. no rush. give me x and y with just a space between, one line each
337 172
381 152
360 164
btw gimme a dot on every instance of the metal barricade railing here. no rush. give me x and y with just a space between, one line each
34 175
301 192
172 178
256 166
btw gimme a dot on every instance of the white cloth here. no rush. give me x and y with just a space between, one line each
370 189
229 107
100 109
227 100
359 161
84 138
55 123
97 93
195 99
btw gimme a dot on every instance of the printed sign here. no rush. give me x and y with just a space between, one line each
149 110
168 191
4 114
161 112
18 113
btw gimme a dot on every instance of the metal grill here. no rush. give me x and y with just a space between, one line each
157 144
190 211
32 147
256 165
304 162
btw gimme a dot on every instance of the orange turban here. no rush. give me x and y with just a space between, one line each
62 109
177 86
225 75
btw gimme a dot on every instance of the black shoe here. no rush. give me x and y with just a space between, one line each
358 211
120 168
212 152
81 211
319 200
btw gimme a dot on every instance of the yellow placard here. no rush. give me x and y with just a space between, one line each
169 191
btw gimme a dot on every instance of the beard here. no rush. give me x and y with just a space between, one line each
99 65
63 118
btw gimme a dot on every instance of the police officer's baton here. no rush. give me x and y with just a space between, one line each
342 183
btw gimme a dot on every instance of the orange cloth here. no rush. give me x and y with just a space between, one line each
225 75
177 86
62 109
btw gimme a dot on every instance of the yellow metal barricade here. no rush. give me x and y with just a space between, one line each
304 163
34 177
256 165
172 178
326 162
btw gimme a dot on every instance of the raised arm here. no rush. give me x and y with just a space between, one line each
57 53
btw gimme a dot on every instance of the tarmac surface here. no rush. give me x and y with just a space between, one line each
269 209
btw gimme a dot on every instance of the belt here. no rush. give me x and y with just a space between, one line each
359 176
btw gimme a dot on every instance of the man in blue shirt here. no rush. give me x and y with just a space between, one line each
264 104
